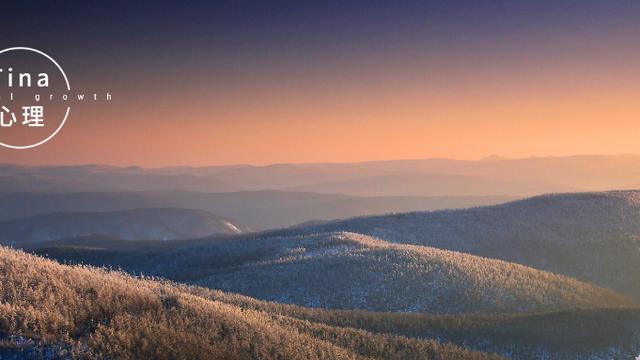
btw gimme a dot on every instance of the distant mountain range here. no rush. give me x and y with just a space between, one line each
138 224
88 178
283 195
494 176
426 184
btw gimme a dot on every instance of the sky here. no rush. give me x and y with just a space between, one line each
256 82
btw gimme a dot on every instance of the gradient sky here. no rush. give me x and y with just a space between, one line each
204 83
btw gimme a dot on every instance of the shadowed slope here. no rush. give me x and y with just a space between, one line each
353 271
259 210
138 224
604 333
593 237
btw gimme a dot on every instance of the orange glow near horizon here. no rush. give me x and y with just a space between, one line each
458 105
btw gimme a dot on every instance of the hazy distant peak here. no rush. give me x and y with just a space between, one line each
493 158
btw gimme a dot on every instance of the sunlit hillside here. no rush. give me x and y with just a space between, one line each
60 311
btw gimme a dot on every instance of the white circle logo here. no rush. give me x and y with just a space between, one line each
24 121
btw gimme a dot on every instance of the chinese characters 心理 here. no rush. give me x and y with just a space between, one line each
32 116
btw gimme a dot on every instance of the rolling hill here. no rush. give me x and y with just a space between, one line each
353 271
59 311
138 224
593 237
347 271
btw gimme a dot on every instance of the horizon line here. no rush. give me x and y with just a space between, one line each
488 158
